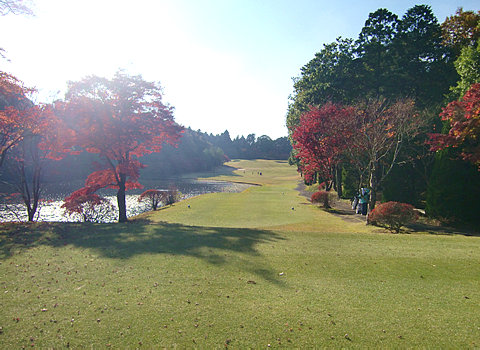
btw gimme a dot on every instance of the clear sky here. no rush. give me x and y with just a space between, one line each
223 64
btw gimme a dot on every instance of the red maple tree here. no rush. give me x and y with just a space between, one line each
321 138
464 132
29 132
120 120
15 112
369 136
88 205
30 155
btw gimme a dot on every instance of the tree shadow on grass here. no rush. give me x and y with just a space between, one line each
340 211
346 215
443 230
142 236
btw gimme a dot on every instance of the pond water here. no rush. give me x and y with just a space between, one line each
50 209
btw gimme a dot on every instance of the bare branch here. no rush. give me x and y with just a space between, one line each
16 7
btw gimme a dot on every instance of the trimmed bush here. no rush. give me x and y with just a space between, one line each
322 197
392 215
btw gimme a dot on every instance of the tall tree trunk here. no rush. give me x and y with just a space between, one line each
338 180
328 185
373 185
36 186
31 214
30 195
122 206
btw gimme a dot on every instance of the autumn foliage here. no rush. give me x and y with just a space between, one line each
120 120
368 137
17 114
28 134
20 118
321 137
464 133
392 215
461 29
13 103
88 205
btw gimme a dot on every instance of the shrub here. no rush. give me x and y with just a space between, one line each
172 196
322 197
155 197
392 215
90 207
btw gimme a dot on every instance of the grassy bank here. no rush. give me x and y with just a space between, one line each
237 269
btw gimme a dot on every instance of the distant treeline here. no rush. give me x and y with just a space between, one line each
197 151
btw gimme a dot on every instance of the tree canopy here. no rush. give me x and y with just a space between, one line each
121 120
464 119
396 76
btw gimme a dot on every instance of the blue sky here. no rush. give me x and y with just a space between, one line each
224 64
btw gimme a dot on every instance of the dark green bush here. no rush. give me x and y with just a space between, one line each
453 193
404 185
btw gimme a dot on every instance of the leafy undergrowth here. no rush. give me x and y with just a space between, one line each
309 280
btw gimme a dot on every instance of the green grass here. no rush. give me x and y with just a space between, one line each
242 270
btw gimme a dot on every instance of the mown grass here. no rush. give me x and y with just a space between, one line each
237 270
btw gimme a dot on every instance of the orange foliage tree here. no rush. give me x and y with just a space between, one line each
30 155
321 139
88 205
461 29
369 136
15 112
28 132
464 120
120 120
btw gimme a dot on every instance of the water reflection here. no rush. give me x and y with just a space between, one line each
50 209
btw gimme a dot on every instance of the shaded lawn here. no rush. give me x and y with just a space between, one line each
170 285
